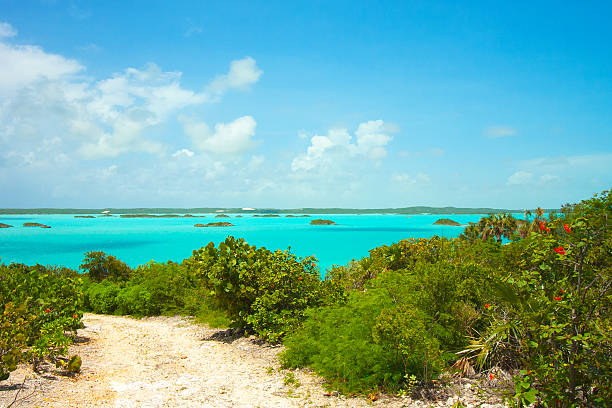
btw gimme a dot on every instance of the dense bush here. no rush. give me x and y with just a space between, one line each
40 309
412 306
538 306
100 266
262 291
555 320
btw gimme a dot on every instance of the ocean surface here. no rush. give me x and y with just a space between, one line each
140 240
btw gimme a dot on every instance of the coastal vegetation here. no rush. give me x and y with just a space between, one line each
446 221
5 225
322 222
530 298
215 224
35 225
41 310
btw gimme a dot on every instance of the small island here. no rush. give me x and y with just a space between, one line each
5 225
84 216
35 224
215 224
297 216
322 222
222 216
266 215
446 221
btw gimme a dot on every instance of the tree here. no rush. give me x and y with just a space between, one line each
498 226
100 266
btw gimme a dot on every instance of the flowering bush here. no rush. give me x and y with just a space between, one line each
555 312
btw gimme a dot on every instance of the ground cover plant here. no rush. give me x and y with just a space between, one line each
40 311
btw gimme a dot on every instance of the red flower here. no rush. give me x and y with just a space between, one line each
75 316
528 372
491 376
560 250
557 298
542 226
567 228
561 291
47 311
487 305
547 229
300 278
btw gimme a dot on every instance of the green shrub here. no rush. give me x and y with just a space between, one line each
168 285
200 304
102 297
337 341
136 300
261 291
40 309
100 266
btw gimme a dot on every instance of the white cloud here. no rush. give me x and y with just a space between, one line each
183 152
7 30
227 139
326 152
242 74
44 95
520 177
495 132
371 137
23 65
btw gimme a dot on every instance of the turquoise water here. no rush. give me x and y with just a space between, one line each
139 240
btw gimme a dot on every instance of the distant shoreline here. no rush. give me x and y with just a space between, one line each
208 210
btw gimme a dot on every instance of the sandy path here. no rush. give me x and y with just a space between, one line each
168 362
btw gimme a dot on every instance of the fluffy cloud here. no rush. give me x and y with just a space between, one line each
495 132
24 65
227 139
242 74
183 152
43 96
337 146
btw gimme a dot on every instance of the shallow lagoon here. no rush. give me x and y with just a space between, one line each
139 240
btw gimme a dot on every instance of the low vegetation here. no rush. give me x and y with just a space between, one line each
322 222
529 297
215 224
446 221
41 311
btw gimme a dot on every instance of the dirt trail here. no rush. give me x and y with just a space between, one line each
169 362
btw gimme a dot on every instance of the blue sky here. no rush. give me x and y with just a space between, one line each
304 104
